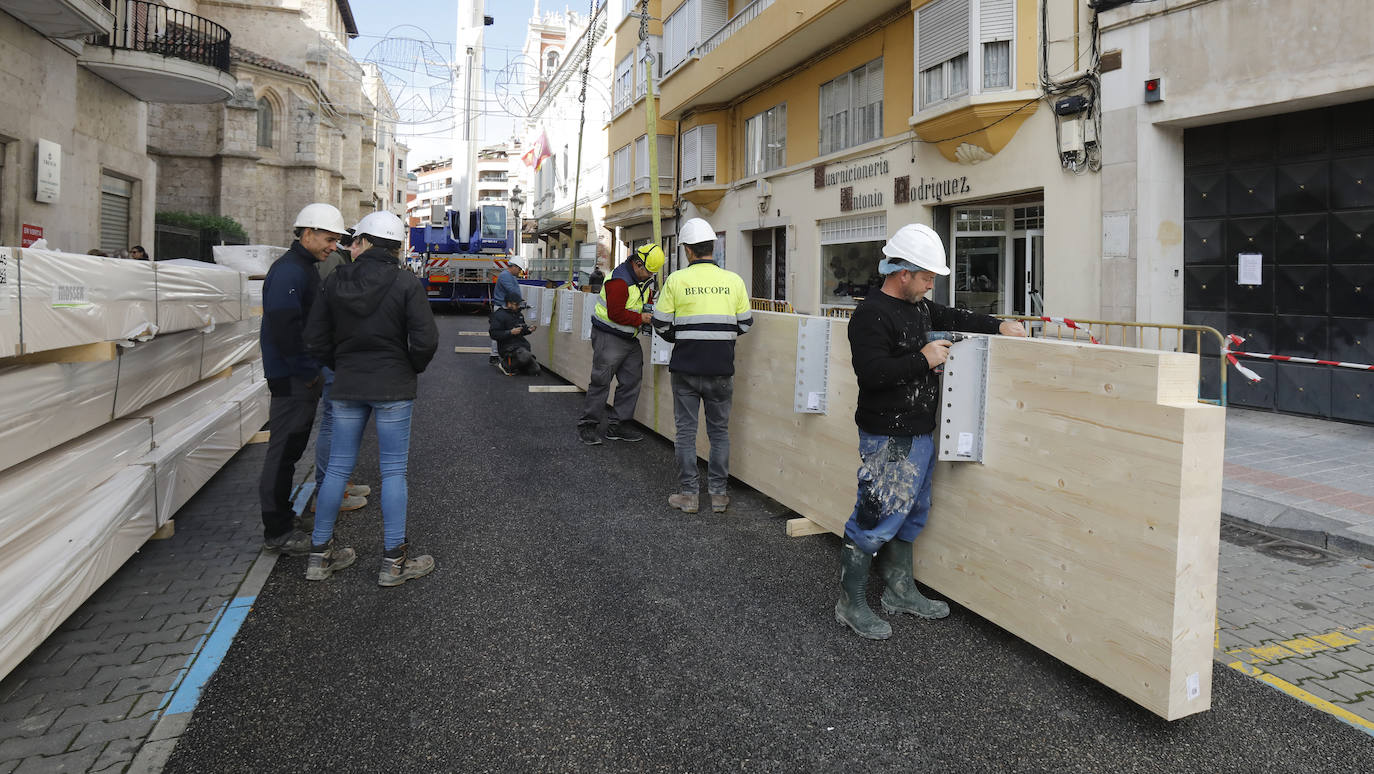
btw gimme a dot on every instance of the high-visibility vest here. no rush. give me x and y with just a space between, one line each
702 309
634 302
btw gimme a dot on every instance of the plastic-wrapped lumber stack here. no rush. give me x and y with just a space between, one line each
129 384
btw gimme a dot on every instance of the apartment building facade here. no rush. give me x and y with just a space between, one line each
1238 187
807 133
79 79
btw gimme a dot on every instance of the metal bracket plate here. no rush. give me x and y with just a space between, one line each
565 311
660 351
813 366
963 401
588 311
546 306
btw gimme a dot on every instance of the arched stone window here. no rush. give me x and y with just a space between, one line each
265 116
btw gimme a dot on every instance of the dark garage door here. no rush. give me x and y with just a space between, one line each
1298 189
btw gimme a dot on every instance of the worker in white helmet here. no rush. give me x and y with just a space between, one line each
293 376
894 361
374 327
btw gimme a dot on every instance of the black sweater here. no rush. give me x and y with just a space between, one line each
501 322
897 389
373 326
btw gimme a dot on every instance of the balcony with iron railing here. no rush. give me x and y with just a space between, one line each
62 19
161 54
764 40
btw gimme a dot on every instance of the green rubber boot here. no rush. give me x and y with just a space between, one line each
901 594
852 610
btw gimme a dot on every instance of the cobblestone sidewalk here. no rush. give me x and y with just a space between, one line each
1300 619
90 695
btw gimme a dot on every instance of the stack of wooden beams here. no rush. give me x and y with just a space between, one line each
129 385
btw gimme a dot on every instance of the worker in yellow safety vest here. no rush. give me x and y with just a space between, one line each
701 310
616 350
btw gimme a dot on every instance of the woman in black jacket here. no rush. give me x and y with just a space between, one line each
373 326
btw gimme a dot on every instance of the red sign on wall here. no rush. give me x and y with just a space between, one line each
29 234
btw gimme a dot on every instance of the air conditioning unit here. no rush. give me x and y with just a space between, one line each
763 188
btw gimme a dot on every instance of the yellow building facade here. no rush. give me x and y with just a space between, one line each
808 132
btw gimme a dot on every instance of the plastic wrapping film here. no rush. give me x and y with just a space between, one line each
192 295
152 370
9 302
254 298
67 300
229 344
253 260
37 491
97 533
175 412
194 452
254 402
46 405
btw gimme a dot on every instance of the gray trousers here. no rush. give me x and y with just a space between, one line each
690 392
618 357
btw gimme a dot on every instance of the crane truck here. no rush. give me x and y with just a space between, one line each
458 271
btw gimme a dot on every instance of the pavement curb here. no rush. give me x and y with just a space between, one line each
1294 523
158 747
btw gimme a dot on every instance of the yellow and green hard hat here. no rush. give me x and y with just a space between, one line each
652 256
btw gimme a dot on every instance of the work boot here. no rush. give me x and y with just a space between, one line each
619 432
326 560
357 490
852 610
687 503
901 594
349 502
588 435
719 502
398 567
292 543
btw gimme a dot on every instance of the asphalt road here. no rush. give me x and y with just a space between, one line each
576 623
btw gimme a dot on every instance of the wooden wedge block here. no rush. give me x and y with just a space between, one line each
801 527
165 531
260 436
98 352
473 350
474 333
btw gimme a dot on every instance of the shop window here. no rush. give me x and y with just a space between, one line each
765 141
851 108
850 251
699 156
770 264
946 32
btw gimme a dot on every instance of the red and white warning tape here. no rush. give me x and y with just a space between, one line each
1071 324
1232 340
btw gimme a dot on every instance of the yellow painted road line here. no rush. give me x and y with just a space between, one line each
1316 702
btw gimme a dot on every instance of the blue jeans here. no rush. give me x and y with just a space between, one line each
326 434
393 442
690 394
887 508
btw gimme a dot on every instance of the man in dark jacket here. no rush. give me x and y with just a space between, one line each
509 329
374 327
293 376
898 391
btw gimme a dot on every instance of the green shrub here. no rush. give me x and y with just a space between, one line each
220 223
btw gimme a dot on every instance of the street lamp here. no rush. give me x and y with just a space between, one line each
517 200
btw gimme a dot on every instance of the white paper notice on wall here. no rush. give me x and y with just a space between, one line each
965 445
813 401
1251 269
1194 686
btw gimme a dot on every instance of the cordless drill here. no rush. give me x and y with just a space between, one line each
953 337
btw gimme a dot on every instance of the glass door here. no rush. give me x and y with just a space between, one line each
1028 266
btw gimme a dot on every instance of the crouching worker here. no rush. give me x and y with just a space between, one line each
373 326
898 390
508 330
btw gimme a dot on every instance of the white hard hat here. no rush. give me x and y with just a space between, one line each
380 225
325 217
915 247
696 231
518 261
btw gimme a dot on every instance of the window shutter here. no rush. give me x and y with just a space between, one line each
115 195
693 28
674 42
875 83
708 153
996 20
944 32
665 162
714 15
691 170
641 164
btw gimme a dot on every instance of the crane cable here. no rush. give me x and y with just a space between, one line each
650 121
581 124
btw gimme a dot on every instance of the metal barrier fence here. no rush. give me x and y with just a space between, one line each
1165 337
769 305
146 26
